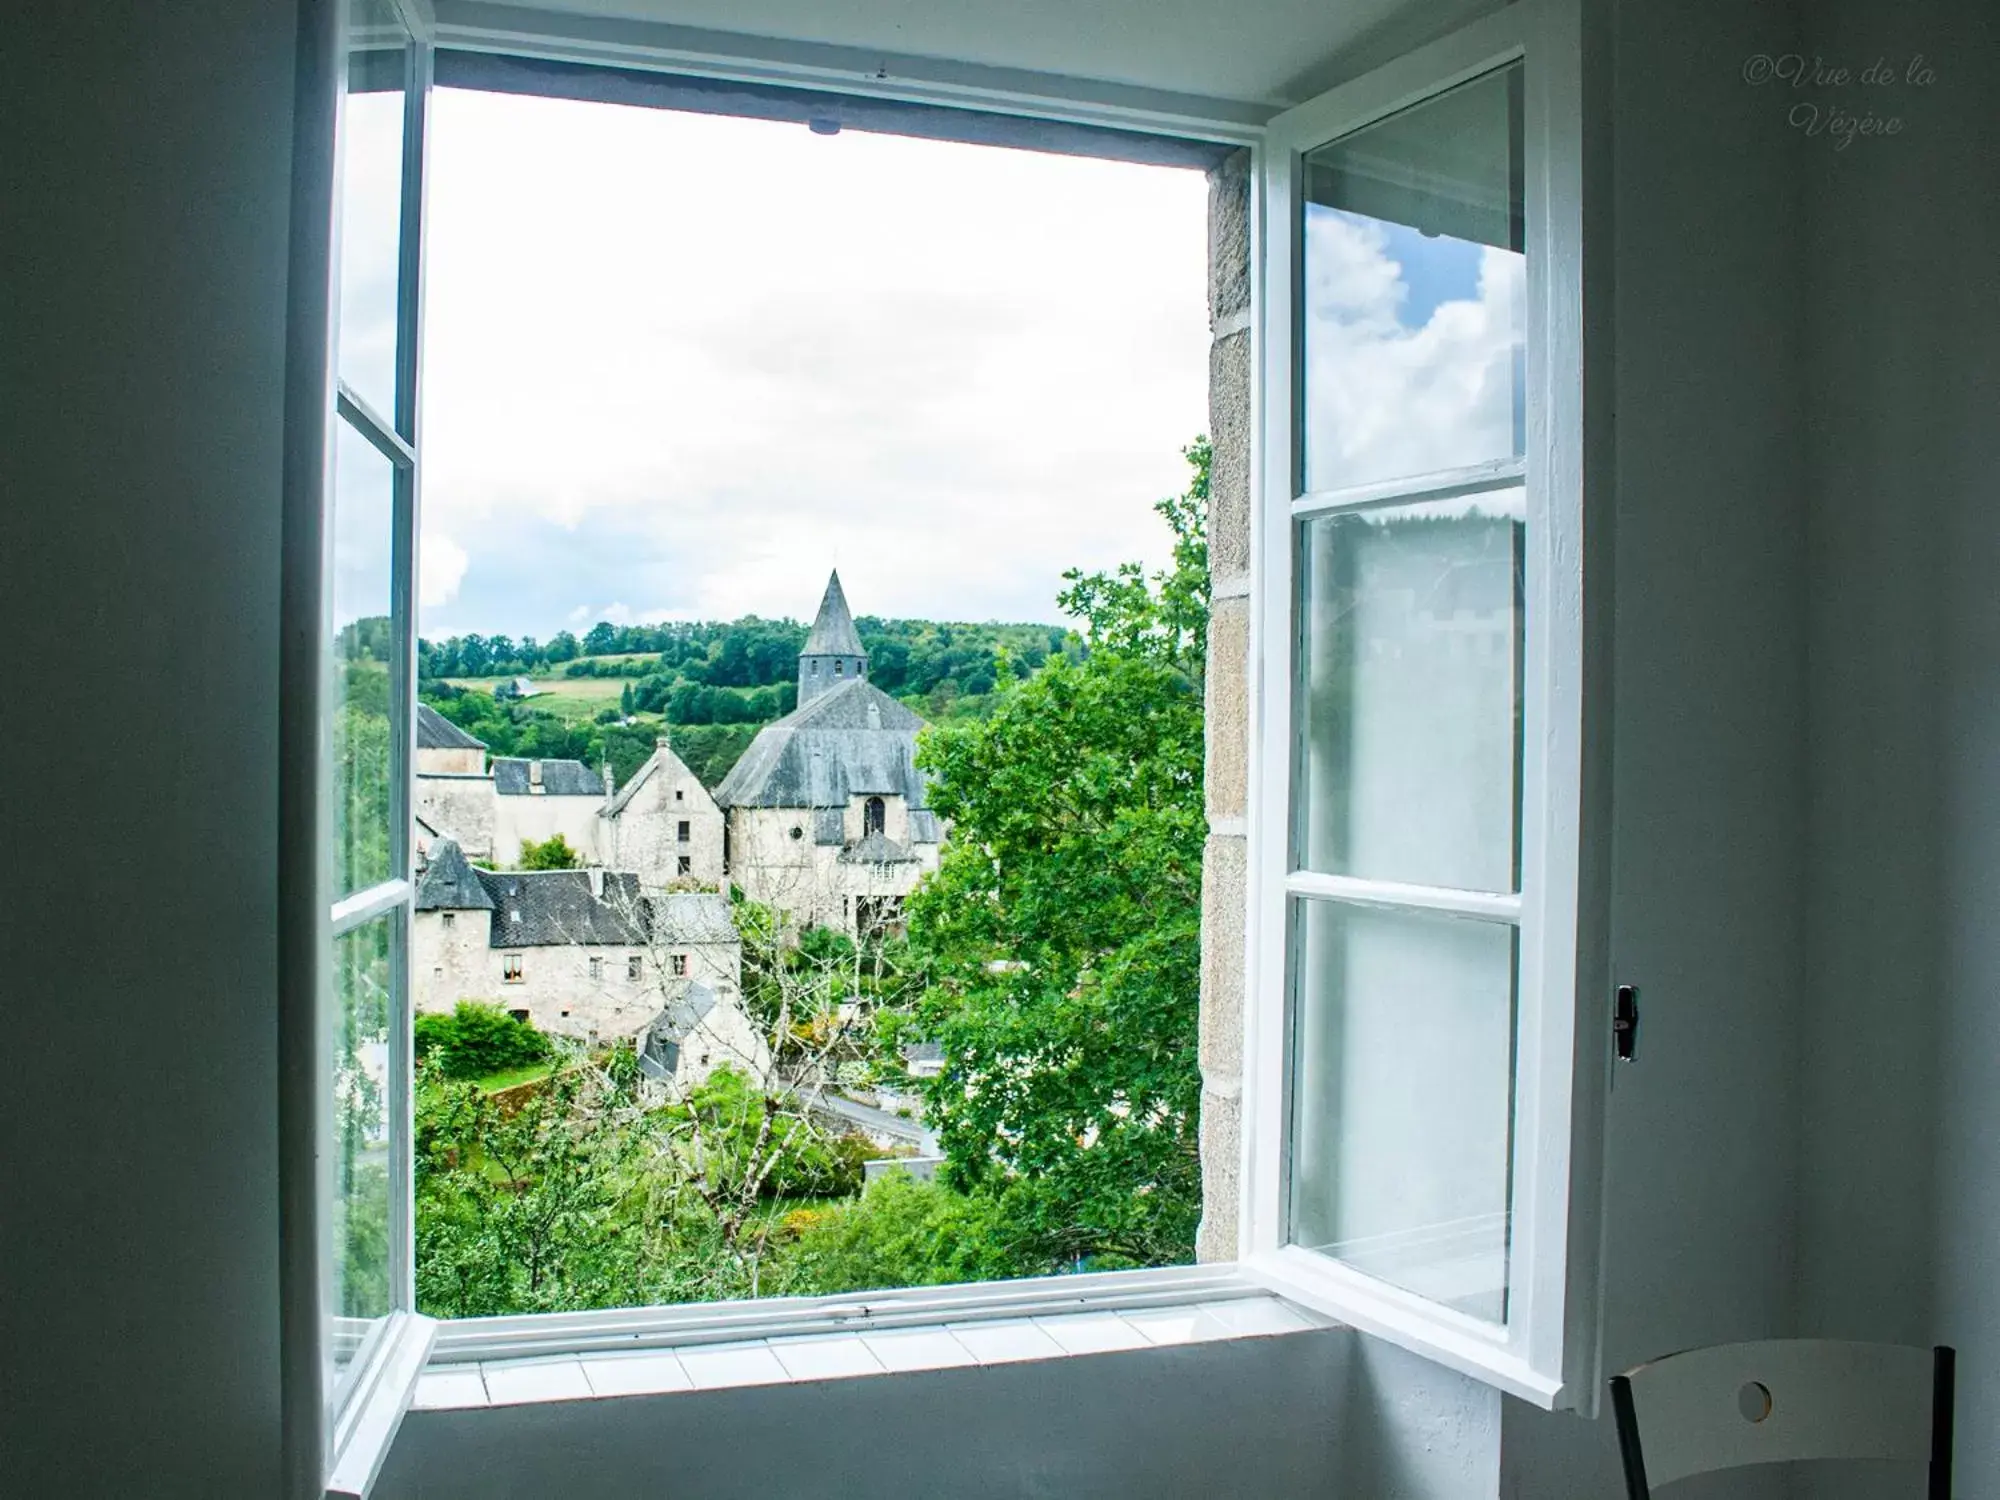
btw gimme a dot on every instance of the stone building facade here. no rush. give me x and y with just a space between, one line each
663 826
826 811
587 955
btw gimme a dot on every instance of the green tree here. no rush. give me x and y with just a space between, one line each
552 853
1061 932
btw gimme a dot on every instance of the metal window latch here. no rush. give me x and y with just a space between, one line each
1625 1023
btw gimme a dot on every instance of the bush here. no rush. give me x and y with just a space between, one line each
477 1039
553 853
903 1232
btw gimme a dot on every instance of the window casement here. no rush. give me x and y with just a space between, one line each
683 830
596 969
511 968
635 966
450 919
1423 1083
678 965
348 880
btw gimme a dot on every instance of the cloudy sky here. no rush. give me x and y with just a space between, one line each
679 366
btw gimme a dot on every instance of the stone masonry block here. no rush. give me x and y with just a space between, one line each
1228 708
1229 470
1224 882
1221 1168
1229 237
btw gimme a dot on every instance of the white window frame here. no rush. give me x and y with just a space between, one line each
1554 1366
1546 1352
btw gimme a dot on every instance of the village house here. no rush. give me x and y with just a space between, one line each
826 812
663 826
588 955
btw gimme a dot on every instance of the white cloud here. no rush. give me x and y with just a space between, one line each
700 361
441 569
1386 399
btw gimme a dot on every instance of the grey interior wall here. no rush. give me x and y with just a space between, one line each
1710 713
142 264
1197 1421
1900 1203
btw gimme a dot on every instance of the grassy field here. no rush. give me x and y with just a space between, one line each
508 1078
567 697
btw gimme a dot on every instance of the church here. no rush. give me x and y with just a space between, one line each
825 814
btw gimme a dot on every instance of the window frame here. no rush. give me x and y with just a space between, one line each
1053 99
1546 1353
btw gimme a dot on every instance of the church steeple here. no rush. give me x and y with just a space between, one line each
833 654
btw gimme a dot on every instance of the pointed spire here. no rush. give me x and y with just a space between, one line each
833 632
833 656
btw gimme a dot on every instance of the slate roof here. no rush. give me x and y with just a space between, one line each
877 849
833 632
684 1014
852 740
693 917
436 732
560 778
450 883
554 908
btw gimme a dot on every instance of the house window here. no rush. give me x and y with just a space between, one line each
839 667
679 795
682 830
510 968
522 1015
450 918
596 968
872 812
634 966
683 865
678 965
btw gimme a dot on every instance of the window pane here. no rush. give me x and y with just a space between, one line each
371 203
1411 306
1402 1098
1410 692
363 522
357 1265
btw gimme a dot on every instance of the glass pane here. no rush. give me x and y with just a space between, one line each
1402 1098
371 203
363 521
1411 308
357 1265
1410 692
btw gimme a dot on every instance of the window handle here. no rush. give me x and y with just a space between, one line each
1625 1023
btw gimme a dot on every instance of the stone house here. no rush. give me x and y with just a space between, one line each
586 954
827 814
663 826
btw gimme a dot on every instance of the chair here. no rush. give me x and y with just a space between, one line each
1735 1404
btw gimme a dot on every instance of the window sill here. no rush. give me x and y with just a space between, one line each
899 1337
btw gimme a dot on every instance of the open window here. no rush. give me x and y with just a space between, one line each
1419 1126
1423 1057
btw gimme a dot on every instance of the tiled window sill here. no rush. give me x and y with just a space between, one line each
840 1356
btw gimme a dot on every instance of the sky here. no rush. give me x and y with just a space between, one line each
681 366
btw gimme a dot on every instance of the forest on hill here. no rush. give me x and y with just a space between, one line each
606 696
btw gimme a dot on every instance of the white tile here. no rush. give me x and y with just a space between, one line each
826 1358
1000 1343
1092 1333
542 1380
1165 1325
1249 1316
449 1386
636 1375
902 1349
712 1366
